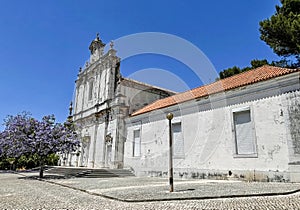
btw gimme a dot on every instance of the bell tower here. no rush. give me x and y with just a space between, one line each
96 110
96 48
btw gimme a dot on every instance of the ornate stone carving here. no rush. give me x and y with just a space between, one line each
96 44
108 139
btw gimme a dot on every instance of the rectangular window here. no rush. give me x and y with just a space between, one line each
244 135
91 87
136 143
178 144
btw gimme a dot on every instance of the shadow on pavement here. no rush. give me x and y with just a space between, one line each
47 177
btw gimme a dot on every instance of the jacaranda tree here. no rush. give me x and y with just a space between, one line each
24 135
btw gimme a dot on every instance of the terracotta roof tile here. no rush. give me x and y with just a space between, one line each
246 78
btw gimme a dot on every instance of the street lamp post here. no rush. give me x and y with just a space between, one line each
170 117
11 162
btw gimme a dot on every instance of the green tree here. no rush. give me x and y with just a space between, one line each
229 72
236 70
282 30
258 63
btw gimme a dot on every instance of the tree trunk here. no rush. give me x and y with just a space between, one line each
42 168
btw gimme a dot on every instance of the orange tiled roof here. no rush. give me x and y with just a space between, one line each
249 77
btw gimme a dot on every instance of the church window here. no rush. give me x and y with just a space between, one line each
178 145
136 143
91 87
244 133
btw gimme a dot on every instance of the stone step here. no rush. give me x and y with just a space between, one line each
90 173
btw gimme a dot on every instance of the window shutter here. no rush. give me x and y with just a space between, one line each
178 145
136 143
243 133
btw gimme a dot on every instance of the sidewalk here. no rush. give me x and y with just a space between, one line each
134 189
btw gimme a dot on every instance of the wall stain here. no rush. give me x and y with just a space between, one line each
294 120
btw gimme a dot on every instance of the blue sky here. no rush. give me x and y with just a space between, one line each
43 43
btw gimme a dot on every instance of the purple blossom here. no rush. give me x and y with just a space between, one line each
25 135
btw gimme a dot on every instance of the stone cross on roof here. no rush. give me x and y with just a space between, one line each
111 44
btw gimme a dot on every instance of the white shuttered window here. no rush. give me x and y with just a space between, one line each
244 135
136 143
178 144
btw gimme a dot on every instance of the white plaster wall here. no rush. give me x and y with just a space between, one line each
293 107
138 97
154 147
209 142
271 133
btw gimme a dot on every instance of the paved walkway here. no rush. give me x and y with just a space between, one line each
25 192
146 189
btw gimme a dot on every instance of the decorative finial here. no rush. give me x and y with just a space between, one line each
111 44
71 108
80 69
97 36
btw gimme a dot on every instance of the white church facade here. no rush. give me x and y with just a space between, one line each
245 126
103 100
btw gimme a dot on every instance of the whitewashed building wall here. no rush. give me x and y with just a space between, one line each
209 131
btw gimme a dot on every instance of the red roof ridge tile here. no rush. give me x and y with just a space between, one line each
259 74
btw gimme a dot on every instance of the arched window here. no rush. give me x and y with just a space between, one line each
91 87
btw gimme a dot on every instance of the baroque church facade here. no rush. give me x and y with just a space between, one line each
245 126
103 100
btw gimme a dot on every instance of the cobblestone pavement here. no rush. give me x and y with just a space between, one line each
157 189
18 192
